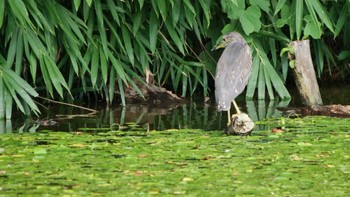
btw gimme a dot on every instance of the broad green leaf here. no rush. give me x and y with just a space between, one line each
100 24
175 37
128 45
114 10
55 75
2 12
253 78
19 53
153 31
299 17
163 8
12 50
141 3
16 85
121 90
190 13
89 2
176 11
234 9
2 98
111 88
17 81
313 16
104 67
250 20
344 55
136 22
311 28
277 82
206 10
321 12
268 82
76 4
118 67
263 4
19 9
94 66
280 4
155 7
343 16
261 82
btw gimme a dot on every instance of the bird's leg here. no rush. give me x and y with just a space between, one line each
228 118
236 107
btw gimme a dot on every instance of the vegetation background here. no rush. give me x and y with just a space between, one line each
70 50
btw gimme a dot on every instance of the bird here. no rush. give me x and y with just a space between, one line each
232 72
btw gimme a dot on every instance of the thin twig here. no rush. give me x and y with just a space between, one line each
68 104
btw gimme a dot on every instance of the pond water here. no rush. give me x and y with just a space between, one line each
191 115
88 155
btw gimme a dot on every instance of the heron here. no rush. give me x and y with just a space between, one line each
232 72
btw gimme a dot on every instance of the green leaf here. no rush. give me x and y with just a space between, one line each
269 86
19 9
250 20
100 24
76 4
153 31
321 12
344 55
175 37
311 28
176 12
299 17
137 19
261 82
2 12
280 4
104 67
15 85
253 78
234 9
343 16
263 4
2 99
127 44
94 66
121 90
89 2
206 11
162 6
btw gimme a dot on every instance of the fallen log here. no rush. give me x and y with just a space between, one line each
320 110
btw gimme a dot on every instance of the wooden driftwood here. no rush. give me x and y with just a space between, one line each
152 95
304 74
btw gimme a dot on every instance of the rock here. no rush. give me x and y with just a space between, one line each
241 124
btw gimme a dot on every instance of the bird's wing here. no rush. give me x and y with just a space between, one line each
232 73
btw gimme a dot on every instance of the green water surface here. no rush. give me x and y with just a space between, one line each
310 158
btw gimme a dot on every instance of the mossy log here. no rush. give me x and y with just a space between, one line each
304 74
324 110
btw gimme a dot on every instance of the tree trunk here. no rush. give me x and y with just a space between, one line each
304 74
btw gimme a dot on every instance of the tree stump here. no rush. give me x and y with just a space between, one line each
304 74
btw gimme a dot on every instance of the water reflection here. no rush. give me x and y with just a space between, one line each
141 117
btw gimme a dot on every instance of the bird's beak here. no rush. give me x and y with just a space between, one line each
221 44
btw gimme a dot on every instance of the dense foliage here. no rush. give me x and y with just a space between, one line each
69 50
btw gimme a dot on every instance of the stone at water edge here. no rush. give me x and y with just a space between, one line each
241 124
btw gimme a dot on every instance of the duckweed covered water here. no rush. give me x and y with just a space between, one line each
310 158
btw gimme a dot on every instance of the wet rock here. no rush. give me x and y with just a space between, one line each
241 124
